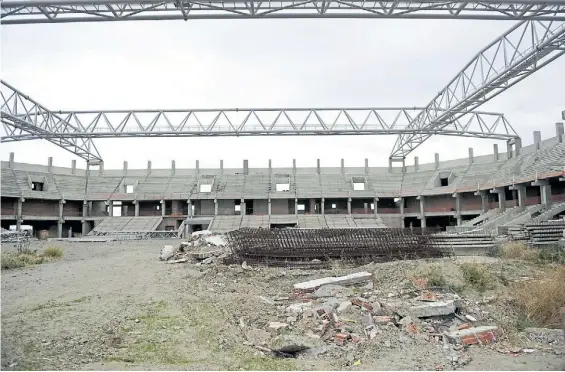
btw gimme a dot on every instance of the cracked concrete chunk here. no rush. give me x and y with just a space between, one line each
433 309
292 343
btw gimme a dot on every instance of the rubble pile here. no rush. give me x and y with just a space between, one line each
347 313
203 247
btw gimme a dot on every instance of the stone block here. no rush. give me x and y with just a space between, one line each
354 278
433 309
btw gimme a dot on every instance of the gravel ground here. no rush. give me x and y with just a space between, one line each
108 306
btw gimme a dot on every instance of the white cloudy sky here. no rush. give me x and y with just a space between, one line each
261 63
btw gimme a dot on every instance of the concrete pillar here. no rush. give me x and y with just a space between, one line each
545 192
242 206
189 202
296 206
270 167
559 131
269 207
509 149
125 168
471 155
148 167
312 206
484 202
389 165
50 165
423 221
342 166
401 200
136 208
416 163
246 167
436 158
70 232
457 197
537 139
522 197
19 219
11 160
323 207
318 166
495 156
375 204
348 205
101 168
60 220
197 166
74 167
221 167
111 208
84 215
215 207
162 208
294 166
366 166
173 165
518 146
422 206
501 198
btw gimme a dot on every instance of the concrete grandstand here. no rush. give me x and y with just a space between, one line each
518 186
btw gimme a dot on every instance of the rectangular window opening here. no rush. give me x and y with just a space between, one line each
37 186
238 208
301 207
281 187
444 182
129 189
206 188
334 206
359 186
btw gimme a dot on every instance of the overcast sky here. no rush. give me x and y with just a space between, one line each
261 63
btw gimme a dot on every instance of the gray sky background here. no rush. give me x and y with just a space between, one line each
261 63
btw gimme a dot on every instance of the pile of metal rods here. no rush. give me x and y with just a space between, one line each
289 245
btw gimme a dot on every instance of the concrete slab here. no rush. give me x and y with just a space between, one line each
340 280
433 309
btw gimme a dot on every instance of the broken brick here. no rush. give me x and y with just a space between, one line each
382 319
465 326
429 296
411 328
420 283
360 303
474 335
340 338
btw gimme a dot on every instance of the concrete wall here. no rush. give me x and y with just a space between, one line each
8 206
40 207
341 206
260 206
226 207
204 207
72 208
281 206
392 221
471 202
439 203
149 208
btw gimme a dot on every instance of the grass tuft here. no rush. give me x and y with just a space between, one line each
53 252
518 251
477 276
542 301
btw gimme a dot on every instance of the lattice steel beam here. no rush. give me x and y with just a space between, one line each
259 122
20 114
524 49
58 11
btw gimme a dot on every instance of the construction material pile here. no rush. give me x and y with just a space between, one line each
287 246
202 246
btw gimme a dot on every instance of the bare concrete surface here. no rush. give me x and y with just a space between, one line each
115 306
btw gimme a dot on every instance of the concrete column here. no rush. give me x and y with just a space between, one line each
559 131
74 167
495 156
501 198
173 165
323 207
436 158
162 208
537 139
125 168
457 197
270 167
342 166
389 165
423 221
136 208
246 167
366 166
348 205
484 202
401 205
50 164
375 204
509 149
19 208
422 206
318 166
84 215
242 206
294 166
189 202
221 167
60 220
111 208
215 207
197 166
312 206
11 160
296 206
101 168
521 195
70 232
416 163
269 207
471 155
545 192
518 146
148 167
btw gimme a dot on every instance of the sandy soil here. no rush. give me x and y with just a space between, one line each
107 306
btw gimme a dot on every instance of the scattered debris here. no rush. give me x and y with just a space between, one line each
341 280
292 343
202 247
474 335
433 309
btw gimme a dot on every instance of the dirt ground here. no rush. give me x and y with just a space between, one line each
115 306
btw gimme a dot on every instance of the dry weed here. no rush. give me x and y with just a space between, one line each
53 252
541 301
518 251
478 276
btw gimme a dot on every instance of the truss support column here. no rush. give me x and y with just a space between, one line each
60 220
545 192
19 218
457 197
422 210
521 189
349 206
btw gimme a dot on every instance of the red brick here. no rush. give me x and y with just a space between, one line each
429 296
465 326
